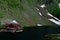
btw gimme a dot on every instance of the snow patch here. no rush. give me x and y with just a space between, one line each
40 14
37 8
59 5
50 14
56 22
43 6
56 18
39 25
14 21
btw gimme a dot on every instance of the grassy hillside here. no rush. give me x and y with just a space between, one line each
54 8
24 11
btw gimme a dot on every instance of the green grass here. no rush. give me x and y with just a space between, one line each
2 26
54 10
53 36
23 11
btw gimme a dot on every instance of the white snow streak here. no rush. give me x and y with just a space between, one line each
14 21
43 6
59 5
40 13
39 25
56 22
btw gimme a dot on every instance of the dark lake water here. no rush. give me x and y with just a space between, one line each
30 33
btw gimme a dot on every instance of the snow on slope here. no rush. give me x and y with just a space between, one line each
42 6
39 25
54 21
53 16
40 13
59 5
14 21
49 14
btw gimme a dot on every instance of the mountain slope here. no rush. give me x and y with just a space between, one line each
23 11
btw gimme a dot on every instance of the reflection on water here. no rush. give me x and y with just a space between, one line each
54 36
34 33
